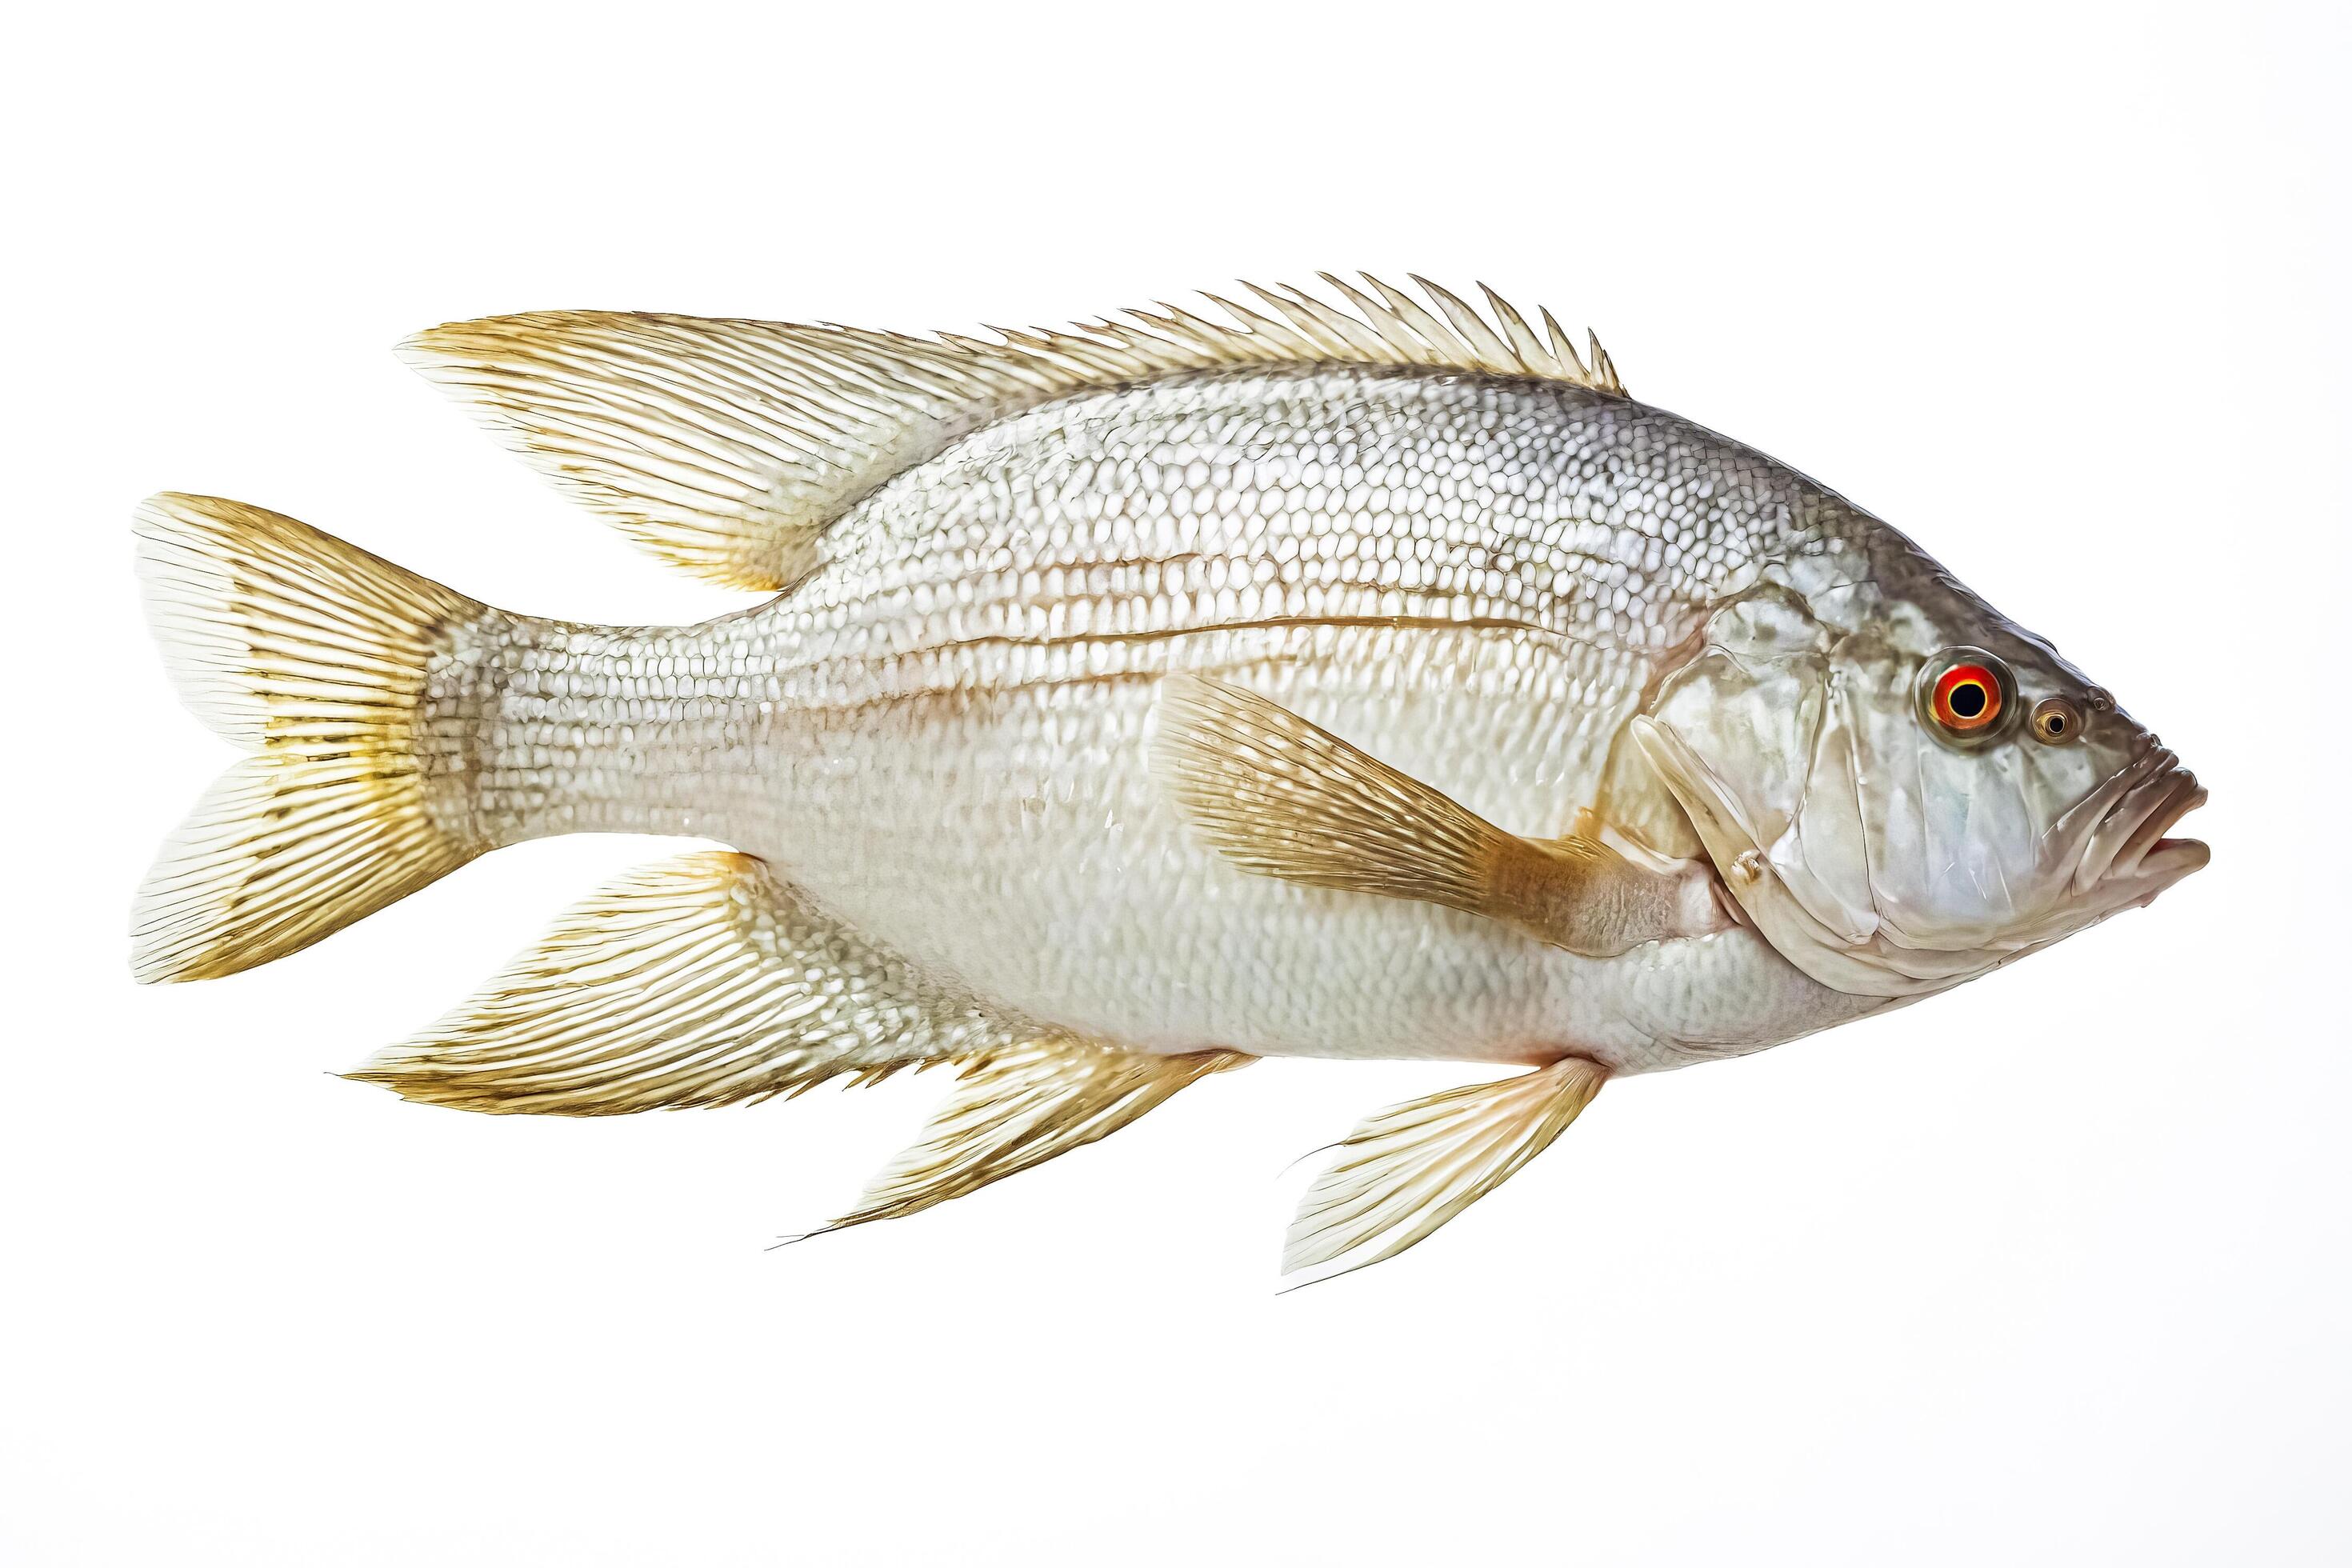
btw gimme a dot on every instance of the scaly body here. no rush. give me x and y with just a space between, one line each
941 735
1136 703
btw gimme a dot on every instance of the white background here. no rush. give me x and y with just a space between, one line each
2050 1271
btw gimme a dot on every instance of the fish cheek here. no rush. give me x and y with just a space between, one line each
1825 858
1898 770
1964 871
1951 844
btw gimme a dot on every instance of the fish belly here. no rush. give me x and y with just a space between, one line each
962 835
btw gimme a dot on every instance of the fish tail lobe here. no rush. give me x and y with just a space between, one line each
329 665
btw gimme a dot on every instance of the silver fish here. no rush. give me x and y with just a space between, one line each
1355 679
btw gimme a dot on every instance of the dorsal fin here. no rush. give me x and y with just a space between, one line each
726 446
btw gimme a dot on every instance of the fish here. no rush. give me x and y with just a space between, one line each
1343 674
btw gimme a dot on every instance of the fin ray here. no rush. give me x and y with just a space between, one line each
726 446
705 980
1021 1107
1286 798
1404 1172
316 656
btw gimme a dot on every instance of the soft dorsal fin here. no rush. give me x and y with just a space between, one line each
726 446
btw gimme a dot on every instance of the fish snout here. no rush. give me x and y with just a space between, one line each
2129 845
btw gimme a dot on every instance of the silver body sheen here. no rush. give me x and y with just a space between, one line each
942 734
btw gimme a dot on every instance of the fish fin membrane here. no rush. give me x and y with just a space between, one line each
727 446
1021 1107
1282 797
1405 1171
705 980
315 656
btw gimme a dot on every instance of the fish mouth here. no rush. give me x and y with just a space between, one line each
2129 845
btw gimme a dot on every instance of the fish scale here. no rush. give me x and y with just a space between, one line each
1362 681
930 737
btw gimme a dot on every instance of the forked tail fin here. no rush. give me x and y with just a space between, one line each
317 657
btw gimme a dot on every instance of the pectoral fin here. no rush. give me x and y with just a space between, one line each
1282 797
1409 1169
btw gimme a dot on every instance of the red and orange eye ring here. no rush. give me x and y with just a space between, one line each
1965 699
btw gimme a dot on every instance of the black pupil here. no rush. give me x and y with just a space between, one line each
1967 700
2055 723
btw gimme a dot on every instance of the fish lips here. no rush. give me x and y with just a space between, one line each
2127 857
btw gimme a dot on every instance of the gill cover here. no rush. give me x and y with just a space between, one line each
1755 745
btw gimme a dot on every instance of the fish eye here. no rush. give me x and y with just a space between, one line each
1964 692
2055 721
1967 698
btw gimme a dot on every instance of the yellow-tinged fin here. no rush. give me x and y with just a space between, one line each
1021 1106
315 655
726 446
1405 1171
1284 798
706 979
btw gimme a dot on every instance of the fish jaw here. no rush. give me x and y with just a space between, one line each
2129 845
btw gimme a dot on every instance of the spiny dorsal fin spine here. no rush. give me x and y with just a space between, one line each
1604 369
1310 326
1420 322
1467 321
1273 332
1395 333
1563 351
1524 342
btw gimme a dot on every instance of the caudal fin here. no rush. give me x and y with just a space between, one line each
316 656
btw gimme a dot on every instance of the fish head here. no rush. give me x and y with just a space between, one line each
1901 788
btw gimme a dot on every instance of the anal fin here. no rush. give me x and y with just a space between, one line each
1405 1171
706 979
1021 1107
